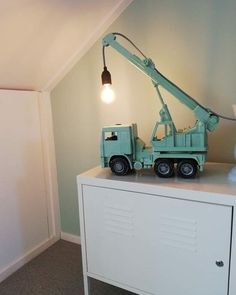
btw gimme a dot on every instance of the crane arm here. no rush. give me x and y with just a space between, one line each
147 66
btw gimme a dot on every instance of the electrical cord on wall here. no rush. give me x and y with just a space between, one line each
190 97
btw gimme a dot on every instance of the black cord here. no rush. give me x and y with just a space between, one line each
190 97
132 43
224 117
123 36
103 56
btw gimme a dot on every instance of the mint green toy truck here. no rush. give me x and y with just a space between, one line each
121 148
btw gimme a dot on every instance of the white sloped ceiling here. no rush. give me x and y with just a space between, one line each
42 39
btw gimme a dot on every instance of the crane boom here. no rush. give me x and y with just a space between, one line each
147 66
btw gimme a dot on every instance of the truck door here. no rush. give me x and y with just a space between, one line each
117 142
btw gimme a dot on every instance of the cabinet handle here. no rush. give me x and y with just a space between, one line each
219 263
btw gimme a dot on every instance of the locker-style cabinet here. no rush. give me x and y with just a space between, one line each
159 236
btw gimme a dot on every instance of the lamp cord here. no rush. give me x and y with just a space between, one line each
103 56
132 43
190 97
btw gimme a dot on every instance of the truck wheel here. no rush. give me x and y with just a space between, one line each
187 168
119 166
164 168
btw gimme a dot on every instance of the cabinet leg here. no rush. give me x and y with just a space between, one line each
86 285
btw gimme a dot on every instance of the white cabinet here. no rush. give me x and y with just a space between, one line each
149 237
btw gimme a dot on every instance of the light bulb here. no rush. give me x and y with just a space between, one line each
108 95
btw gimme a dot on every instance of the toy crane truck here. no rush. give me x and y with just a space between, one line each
122 150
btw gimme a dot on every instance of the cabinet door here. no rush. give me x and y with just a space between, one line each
159 245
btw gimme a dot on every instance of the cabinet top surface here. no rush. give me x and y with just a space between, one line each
216 178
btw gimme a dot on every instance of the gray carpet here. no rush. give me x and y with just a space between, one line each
57 271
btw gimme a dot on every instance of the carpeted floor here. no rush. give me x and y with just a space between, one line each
57 271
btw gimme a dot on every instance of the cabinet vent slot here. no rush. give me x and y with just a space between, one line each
179 233
118 220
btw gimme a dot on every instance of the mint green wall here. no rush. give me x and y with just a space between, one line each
192 42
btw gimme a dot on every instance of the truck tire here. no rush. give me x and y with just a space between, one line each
187 168
164 168
119 166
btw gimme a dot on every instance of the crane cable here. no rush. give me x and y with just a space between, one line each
190 97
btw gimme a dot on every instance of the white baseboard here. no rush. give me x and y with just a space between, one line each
70 238
18 263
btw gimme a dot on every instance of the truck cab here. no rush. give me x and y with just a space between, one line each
118 141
